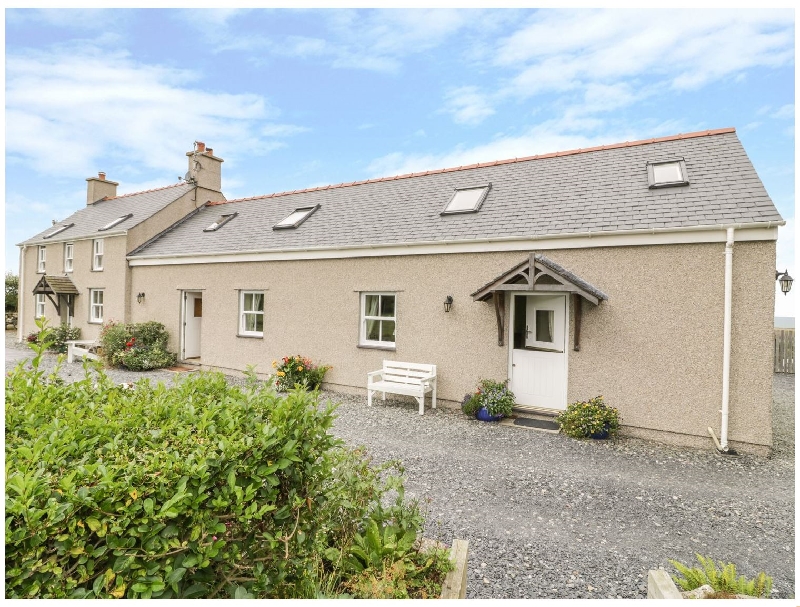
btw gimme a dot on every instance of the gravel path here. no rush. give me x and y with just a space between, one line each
550 517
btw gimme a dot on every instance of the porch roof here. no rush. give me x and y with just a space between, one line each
55 285
540 273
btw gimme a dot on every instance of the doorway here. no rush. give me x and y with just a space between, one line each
192 324
538 361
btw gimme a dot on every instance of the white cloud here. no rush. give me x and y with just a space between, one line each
467 105
784 112
66 111
561 49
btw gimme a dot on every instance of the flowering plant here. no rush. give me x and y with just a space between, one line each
298 370
583 419
493 395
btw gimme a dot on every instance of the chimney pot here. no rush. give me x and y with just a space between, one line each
101 175
210 151
201 147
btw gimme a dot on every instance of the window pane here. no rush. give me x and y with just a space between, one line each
371 307
248 302
387 305
373 330
388 330
544 325
259 322
465 200
667 172
253 322
258 302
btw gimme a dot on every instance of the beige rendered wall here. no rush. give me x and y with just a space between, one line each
111 279
654 350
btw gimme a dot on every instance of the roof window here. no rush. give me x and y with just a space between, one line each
58 230
667 173
295 218
467 200
221 221
116 222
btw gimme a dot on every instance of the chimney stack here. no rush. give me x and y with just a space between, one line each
99 187
205 168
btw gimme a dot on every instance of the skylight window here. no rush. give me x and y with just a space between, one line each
667 173
221 221
295 218
467 200
58 230
116 222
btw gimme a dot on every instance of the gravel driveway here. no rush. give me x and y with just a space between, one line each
550 517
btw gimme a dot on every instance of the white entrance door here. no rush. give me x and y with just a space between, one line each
539 357
192 323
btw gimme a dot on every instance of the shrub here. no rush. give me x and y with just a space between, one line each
722 578
493 395
58 336
470 404
138 347
298 370
195 490
582 419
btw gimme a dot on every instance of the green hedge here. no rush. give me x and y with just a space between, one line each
198 490
193 491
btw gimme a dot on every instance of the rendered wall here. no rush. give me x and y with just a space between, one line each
654 350
111 278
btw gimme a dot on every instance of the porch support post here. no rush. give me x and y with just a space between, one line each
55 302
500 310
576 300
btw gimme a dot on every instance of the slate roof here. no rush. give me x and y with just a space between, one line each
91 218
580 191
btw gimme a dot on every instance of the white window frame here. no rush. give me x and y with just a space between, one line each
69 256
651 178
39 303
380 343
41 259
97 254
244 313
96 306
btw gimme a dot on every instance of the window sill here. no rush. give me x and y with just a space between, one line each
250 336
95 322
97 269
376 347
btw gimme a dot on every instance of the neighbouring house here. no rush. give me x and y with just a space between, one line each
75 272
642 271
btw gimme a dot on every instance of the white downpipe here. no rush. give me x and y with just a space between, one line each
726 341
20 291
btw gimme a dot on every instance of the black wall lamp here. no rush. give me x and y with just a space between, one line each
448 303
140 297
785 280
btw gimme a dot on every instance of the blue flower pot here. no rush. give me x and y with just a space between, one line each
603 434
483 415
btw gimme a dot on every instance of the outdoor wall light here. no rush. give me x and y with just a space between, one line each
785 280
448 302
140 297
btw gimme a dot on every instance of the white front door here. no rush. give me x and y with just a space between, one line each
192 324
539 351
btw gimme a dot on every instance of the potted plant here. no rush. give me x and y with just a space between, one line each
589 419
490 402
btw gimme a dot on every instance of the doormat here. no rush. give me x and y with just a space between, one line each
542 424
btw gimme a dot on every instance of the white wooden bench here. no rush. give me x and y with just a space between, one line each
82 348
411 379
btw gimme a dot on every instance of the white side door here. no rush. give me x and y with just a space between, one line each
192 324
539 369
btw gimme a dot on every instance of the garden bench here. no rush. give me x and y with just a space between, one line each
82 347
410 379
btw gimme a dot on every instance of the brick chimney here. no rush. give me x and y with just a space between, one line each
99 188
205 168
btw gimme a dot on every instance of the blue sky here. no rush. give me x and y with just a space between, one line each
300 98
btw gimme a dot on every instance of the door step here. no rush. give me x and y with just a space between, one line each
540 423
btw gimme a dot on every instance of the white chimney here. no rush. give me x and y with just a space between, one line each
100 188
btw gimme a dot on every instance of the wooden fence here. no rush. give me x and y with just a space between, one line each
784 350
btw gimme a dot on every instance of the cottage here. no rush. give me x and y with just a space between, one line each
642 271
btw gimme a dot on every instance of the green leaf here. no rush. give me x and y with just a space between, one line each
93 523
175 575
